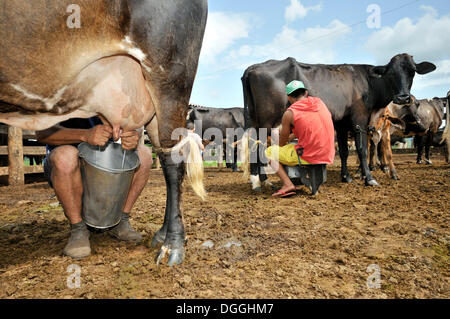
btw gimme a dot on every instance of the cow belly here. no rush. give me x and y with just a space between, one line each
113 87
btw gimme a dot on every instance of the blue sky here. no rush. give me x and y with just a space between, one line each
241 33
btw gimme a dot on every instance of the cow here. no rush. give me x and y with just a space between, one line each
351 92
383 124
431 113
132 62
229 121
424 128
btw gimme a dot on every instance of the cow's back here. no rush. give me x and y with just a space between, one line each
339 86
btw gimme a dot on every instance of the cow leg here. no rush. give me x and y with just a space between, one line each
419 144
447 151
261 170
428 143
172 233
382 161
372 154
387 155
171 236
230 156
234 166
254 164
361 148
342 136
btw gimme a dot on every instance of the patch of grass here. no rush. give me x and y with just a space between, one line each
441 256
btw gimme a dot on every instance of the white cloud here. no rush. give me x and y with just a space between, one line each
427 39
222 32
311 45
296 10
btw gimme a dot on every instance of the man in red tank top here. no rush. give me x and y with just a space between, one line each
311 122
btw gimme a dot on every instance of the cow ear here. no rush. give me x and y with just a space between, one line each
425 67
396 121
378 71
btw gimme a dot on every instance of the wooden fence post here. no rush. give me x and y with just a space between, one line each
15 156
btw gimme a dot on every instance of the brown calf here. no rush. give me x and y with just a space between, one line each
383 123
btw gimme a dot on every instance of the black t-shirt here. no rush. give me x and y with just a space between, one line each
77 123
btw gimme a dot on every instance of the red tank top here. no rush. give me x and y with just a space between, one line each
313 126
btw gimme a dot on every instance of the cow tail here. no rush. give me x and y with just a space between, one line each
194 165
245 155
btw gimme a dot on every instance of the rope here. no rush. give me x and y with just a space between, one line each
257 142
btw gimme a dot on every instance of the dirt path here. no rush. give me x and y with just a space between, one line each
300 247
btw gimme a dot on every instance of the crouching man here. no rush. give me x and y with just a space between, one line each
311 123
62 169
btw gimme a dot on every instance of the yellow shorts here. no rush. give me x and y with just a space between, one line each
286 155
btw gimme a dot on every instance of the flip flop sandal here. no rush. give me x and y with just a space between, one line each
281 194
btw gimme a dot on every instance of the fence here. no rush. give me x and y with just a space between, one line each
15 152
16 169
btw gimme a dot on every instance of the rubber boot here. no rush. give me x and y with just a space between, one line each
124 231
78 246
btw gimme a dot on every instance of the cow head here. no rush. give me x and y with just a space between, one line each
399 74
408 119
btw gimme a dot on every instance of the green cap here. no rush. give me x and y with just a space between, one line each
294 86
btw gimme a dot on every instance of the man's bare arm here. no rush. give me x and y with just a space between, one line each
58 135
286 123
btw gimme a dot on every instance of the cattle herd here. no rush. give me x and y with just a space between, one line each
138 70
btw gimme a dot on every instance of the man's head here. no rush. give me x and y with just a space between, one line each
190 126
295 91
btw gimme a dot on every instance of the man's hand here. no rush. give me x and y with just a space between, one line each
98 135
130 140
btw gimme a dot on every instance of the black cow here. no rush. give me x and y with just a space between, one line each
133 62
222 119
351 92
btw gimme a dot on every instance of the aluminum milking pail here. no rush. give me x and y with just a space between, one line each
107 173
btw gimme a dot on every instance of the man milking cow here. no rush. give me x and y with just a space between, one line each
62 169
311 123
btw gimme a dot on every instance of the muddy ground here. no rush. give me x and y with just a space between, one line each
302 247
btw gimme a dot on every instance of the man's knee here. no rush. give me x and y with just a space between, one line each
64 159
145 157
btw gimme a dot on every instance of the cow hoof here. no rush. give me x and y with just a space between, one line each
428 162
372 182
176 255
257 190
395 178
158 239
419 162
346 179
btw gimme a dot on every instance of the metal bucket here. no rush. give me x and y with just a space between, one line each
107 173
